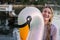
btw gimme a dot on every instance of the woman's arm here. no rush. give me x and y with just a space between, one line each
54 34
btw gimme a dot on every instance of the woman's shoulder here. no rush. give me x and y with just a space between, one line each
53 28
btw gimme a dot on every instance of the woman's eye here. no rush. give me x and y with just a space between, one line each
49 13
45 11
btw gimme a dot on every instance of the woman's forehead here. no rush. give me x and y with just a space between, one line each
47 9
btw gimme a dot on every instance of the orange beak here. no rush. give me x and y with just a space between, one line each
24 32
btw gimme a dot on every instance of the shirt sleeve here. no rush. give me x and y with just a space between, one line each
54 33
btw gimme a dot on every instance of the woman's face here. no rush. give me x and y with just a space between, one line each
47 14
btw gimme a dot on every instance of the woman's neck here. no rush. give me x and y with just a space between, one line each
45 22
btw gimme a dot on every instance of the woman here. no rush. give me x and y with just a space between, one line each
49 30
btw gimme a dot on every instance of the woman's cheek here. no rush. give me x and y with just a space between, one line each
50 16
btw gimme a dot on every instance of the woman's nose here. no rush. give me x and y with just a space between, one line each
46 13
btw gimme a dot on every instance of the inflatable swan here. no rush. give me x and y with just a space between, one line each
33 17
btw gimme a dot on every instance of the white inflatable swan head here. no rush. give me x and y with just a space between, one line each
36 24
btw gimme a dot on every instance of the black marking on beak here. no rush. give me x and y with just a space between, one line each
23 25
28 20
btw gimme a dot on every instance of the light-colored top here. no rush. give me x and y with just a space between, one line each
52 34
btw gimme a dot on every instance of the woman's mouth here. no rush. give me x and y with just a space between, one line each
46 16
